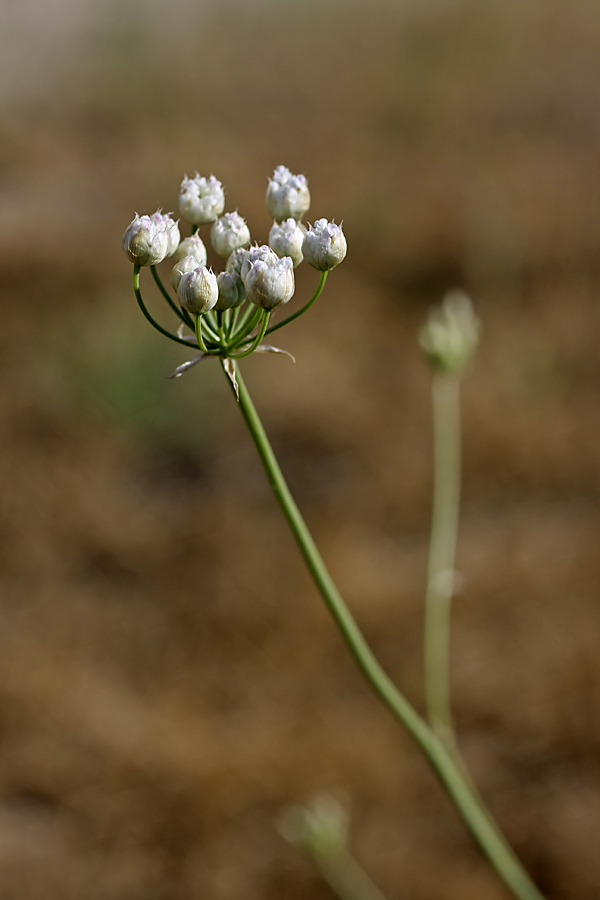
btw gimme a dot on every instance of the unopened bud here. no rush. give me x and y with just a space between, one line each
201 200
229 233
198 291
451 333
181 268
252 255
145 243
164 220
229 293
270 283
324 245
286 239
320 829
191 246
287 195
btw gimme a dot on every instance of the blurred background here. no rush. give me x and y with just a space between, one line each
169 679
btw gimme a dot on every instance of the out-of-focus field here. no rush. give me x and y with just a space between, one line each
169 679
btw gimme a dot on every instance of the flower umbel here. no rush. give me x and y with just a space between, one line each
227 314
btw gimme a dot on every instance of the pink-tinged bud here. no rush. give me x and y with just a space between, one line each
286 239
229 233
270 283
164 220
287 195
181 268
201 200
191 246
324 245
229 291
144 242
255 253
198 291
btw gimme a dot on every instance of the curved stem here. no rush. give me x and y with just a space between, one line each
248 320
442 551
198 323
258 338
304 309
348 878
448 771
182 314
153 322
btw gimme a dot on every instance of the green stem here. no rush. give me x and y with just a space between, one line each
476 818
304 309
348 878
182 314
153 322
442 552
258 338
247 321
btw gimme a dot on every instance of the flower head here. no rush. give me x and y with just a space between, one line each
198 290
451 333
324 245
229 233
286 239
145 242
201 200
287 195
191 246
270 281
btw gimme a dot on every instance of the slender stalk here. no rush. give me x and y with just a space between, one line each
180 313
303 309
442 551
476 818
266 313
348 878
153 322
246 323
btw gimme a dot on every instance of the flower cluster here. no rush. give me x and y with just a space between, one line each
227 315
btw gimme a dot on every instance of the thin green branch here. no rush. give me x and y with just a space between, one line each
180 313
448 771
263 327
153 322
304 309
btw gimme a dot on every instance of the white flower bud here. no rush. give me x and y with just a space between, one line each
229 291
321 828
287 195
451 333
253 254
270 283
164 220
187 264
324 245
144 242
201 200
198 291
191 246
229 233
286 239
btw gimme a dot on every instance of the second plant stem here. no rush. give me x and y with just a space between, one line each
442 551
448 770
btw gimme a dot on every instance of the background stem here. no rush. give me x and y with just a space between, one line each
442 551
